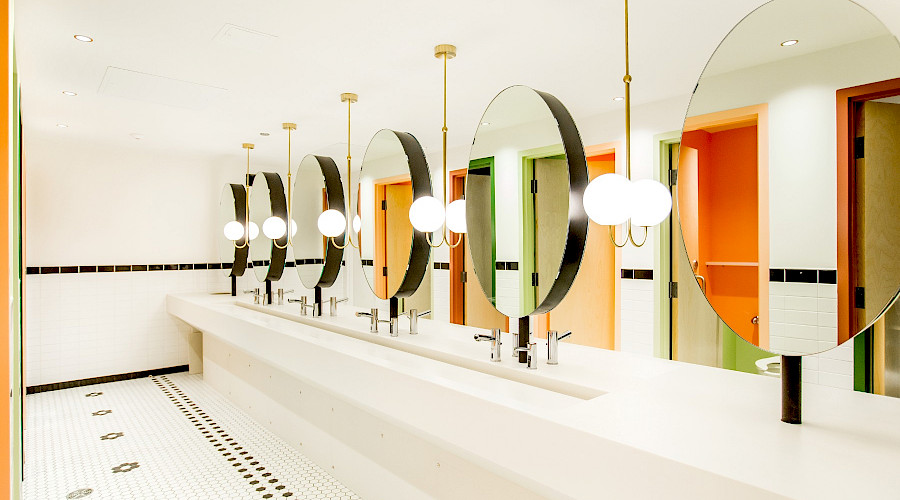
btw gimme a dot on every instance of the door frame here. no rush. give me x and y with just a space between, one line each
732 117
380 253
457 265
846 192
662 253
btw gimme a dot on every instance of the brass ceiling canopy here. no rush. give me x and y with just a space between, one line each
445 49
349 96
247 145
289 126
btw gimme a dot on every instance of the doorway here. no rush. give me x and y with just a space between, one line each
469 305
393 197
589 309
722 202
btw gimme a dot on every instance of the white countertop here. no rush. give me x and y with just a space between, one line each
636 427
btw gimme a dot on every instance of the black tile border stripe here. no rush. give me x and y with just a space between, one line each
34 389
442 265
507 266
822 276
258 476
637 274
122 268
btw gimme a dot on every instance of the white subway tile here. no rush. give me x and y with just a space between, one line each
826 290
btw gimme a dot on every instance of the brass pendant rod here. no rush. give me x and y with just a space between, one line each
350 98
248 146
627 80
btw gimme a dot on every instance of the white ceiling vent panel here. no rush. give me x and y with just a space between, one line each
157 89
240 37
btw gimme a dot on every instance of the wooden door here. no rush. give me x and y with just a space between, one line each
877 206
399 232
696 336
551 211
590 306
480 312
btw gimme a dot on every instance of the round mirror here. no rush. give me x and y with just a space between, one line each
788 175
524 212
268 226
393 175
231 240
317 188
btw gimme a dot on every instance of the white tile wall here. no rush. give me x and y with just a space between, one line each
636 310
802 319
85 325
508 294
440 294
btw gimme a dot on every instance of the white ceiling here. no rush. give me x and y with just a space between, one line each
284 60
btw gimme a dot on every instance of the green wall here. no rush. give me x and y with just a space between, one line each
738 354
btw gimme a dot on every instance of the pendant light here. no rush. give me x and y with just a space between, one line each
235 230
275 227
613 199
428 214
332 223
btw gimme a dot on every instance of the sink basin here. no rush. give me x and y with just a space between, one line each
453 353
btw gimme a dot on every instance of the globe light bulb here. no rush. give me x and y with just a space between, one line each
274 228
254 230
331 223
456 216
233 230
427 214
357 224
652 203
293 228
608 199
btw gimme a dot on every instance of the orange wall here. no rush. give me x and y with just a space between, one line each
728 222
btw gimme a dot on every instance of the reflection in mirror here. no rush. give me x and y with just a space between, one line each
317 188
526 223
268 212
790 243
394 173
231 241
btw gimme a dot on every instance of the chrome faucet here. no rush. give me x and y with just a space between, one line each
256 295
304 305
515 342
332 305
373 321
414 316
281 292
531 350
494 337
553 338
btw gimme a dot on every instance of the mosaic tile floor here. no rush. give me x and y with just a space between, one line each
166 437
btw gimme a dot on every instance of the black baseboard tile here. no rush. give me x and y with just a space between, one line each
34 389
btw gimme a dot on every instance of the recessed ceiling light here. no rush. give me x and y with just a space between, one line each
264 134
788 43
69 92
485 123
83 38
618 98
136 136
62 125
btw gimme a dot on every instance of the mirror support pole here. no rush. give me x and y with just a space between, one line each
790 389
233 285
395 307
269 292
318 294
524 337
